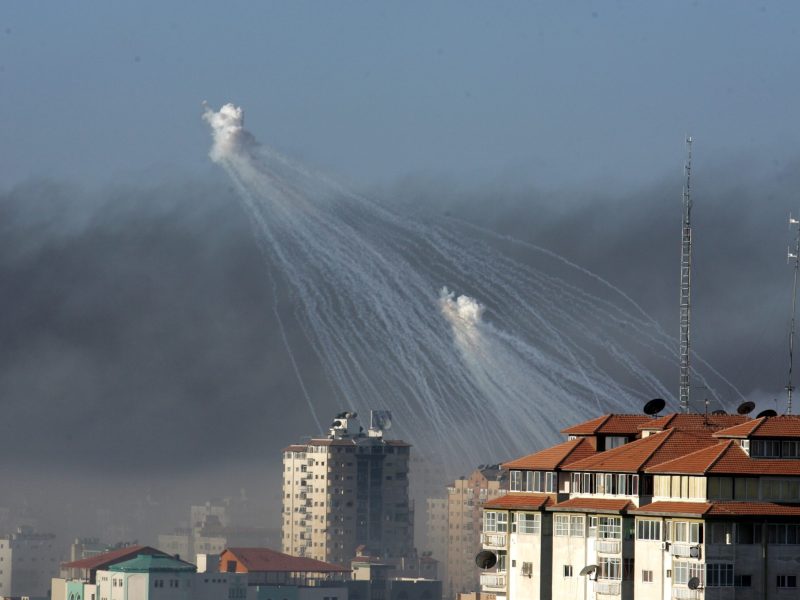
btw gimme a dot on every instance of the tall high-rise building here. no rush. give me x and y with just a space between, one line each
346 491
465 498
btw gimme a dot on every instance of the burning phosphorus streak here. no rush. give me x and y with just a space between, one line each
470 378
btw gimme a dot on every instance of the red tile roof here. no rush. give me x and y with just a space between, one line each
592 504
673 508
520 501
719 509
694 422
609 425
753 509
261 560
781 426
693 462
555 457
636 456
727 458
101 561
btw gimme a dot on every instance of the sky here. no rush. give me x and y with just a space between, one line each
139 340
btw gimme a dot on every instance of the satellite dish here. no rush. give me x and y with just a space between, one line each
654 406
485 559
767 413
588 570
745 408
719 412
693 583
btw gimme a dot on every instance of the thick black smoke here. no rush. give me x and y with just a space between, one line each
139 342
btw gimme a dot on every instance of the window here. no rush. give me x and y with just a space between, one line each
719 532
610 568
516 481
489 521
742 580
628 569
783 533
719 575
527 569
550 481
502 522
787 581
683 571
567 570
688 533
502 558
647 577
748 533
609 528
561 525
528 522
576 527
648 529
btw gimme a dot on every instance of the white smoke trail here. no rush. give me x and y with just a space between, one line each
470 378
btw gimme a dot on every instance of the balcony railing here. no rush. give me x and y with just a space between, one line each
609 587
686 550
495 540
682 593
493 581
608 546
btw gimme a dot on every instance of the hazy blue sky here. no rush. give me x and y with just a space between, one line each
547 92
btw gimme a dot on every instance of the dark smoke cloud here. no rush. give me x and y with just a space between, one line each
139 341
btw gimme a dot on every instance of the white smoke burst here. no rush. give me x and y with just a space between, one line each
472 378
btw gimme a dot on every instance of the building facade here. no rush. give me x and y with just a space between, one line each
465 499
682 506
344 491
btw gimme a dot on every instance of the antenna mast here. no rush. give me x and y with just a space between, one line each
686 279
796 257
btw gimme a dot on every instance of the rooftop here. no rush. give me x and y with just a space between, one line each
149 563
265 560
694 422
101 561
520 501
640 454
608 505
781 426
609 425
555 457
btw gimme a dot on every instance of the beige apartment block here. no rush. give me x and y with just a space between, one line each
465 498
346 491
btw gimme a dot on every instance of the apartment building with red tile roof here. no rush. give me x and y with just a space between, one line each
707 500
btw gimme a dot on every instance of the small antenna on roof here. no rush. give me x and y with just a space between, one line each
792 256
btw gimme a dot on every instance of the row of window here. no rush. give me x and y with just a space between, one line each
534 481
606 483
775 448
497 522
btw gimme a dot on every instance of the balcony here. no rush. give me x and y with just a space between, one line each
493 582
682 593
608 546
494 540
608 587
686 550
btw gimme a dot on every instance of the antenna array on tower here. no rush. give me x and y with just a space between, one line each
792 256
686 280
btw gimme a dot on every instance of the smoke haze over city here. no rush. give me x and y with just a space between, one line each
143 367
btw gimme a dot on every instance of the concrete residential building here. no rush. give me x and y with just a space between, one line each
465 499
344 491
681 506
28 561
